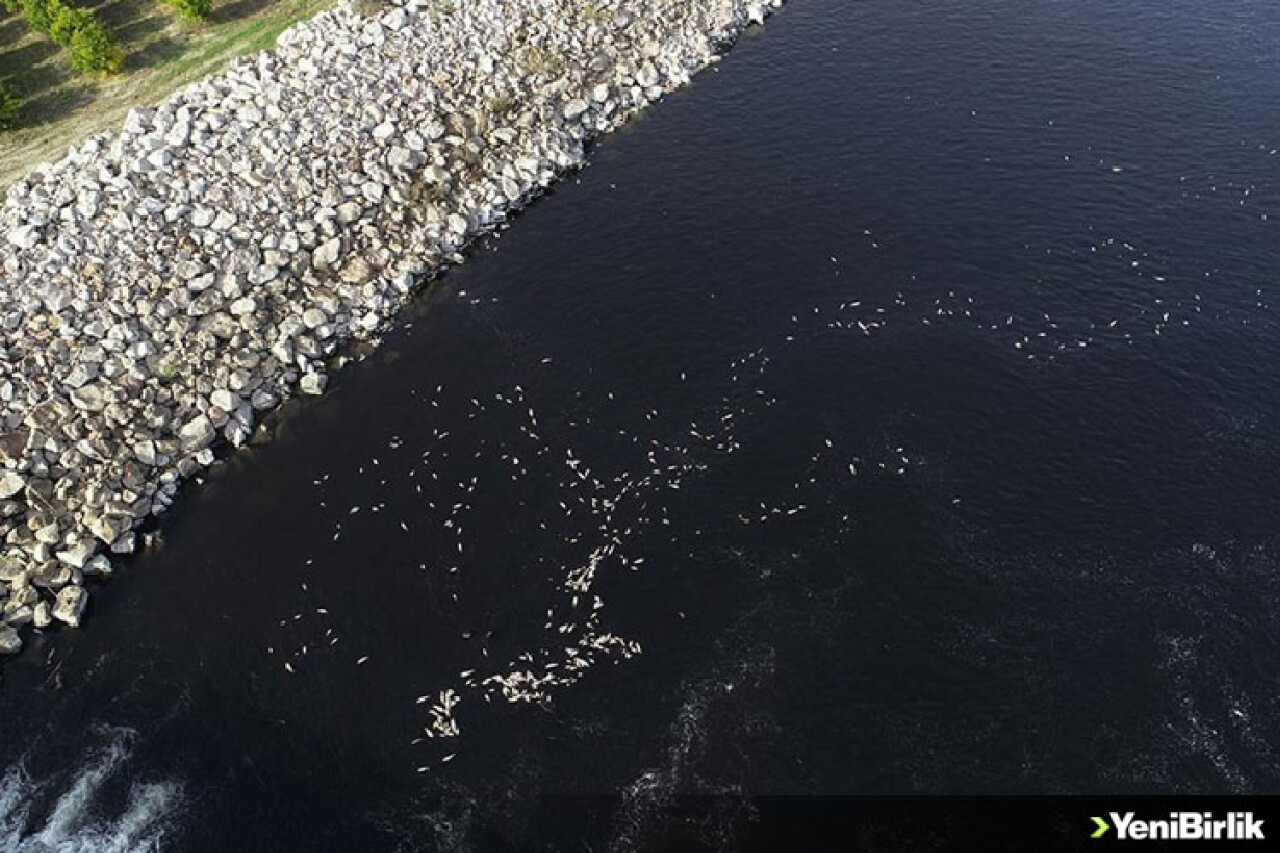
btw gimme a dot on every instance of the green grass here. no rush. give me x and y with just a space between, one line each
165 52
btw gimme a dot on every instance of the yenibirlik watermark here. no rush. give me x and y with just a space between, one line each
1181 826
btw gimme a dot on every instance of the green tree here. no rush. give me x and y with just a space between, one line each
196 9
92 50
37 14
91 47
66 21
9 104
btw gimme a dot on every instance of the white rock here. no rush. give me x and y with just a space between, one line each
196 434
82 374
161 158
224 399
125 544
92 398
395 19
24 236
145 451
313 383
69 605
403 159
187 270
263 399
349 212
78 554
11 483
326 255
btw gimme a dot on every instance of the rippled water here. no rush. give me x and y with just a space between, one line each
903 392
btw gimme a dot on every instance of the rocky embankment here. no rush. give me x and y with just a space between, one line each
164 287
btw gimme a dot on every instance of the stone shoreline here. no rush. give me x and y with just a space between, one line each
164 287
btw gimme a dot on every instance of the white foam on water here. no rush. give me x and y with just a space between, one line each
73 807
142 826
77 822
13 807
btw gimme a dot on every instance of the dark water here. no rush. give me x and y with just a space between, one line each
918 364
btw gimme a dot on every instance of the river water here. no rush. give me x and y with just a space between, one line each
895 410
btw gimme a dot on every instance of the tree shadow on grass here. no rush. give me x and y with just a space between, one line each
55 105
21 66
11 30
115 14
158 52
136 30
239 9
33 85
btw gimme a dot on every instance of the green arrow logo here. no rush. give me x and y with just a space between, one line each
1103 826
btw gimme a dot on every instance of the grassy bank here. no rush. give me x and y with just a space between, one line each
164 51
